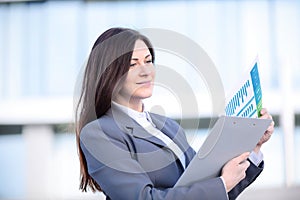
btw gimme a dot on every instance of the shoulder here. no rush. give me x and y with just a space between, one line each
159 116
91 130
95 125
102 127
163 119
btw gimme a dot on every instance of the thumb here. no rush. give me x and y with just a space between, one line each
241 158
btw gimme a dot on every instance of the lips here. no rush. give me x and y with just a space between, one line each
144 82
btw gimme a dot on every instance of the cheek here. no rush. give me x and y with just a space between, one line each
153 71
129 84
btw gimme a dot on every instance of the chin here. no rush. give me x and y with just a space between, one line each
143 95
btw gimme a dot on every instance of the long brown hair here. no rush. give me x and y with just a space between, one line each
108 61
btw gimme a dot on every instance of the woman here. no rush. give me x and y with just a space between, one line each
129 153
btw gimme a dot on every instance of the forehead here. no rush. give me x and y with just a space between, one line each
140 47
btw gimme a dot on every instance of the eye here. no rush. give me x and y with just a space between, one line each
149 61
132 65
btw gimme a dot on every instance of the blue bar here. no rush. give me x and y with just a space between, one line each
245 106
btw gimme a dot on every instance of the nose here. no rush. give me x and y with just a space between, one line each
145 70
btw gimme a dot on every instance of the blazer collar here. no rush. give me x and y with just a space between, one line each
131 127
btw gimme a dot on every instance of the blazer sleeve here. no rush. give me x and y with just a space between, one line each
252 173
120 176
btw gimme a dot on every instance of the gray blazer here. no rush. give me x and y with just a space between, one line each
129 163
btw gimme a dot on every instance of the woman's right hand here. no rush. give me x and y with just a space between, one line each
235 170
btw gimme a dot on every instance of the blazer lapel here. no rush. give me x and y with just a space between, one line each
174 131
130 126
140 132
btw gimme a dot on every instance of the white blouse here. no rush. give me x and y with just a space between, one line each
144 119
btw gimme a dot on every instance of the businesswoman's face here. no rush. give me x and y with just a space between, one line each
138 83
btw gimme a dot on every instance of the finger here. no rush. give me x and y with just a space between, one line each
266 116
245 164
270 129
242 157
265 137
272 123
263 111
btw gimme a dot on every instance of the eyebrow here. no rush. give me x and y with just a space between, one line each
135 59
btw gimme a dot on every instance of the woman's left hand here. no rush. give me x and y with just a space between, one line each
268 133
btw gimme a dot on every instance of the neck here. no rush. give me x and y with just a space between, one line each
133 103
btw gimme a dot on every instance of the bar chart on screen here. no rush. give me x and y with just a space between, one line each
246 99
